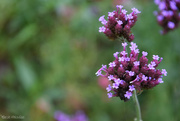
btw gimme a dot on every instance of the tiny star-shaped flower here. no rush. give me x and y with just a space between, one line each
116 54
110 94
104 67
136 63
104 22
131 87
98 73
151 66
109 88
136 51
121 59
164 72
102 29
160 80
112 64
135 10
124 44
153 63
110 77
127 59
133 46
155 57
129 16
131 73
115 85
128 95
124 11
119 6
102 18
144 78
119 22
144 53
111 14
123 53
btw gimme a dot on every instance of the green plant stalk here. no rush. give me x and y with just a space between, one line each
138 110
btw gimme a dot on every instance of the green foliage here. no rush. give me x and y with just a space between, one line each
51 49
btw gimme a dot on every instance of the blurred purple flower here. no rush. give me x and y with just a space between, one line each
168 16
79 116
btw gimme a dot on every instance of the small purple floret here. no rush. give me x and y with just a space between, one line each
128 95
131 88
171 25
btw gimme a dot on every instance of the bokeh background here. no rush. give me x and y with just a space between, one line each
51 49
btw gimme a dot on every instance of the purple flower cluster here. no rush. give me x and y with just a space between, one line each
119 24
79 116
128 73
168 16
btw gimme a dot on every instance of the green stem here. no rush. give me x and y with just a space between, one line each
138 110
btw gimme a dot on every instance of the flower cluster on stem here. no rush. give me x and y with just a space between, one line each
127 72
119 23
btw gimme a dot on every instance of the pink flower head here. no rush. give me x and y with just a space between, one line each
130 72
119 24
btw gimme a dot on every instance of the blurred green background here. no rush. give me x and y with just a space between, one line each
51 49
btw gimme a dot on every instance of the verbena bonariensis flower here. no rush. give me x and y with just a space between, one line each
128 73
168 16
119 24
79 116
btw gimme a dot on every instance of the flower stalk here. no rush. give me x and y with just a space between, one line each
138 109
